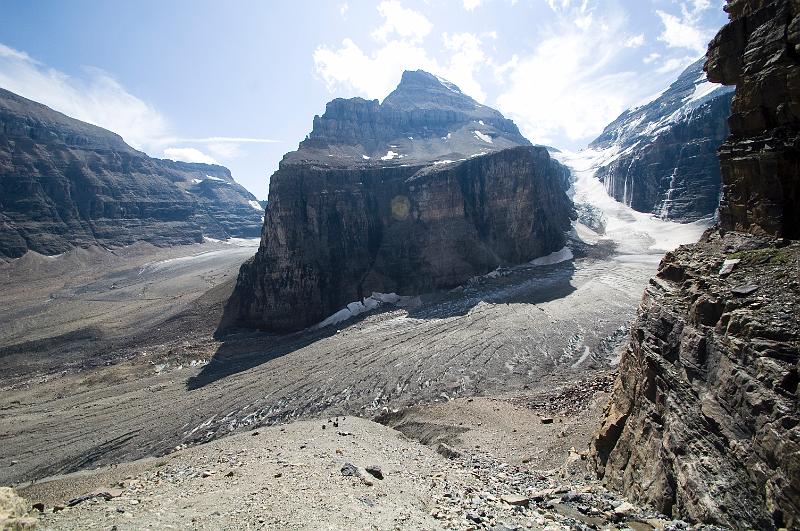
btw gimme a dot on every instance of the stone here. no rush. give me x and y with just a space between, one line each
375 471
727 266
624 509
349 469
705 383
14 511
547 420
38 507
447 451
515 499
744 289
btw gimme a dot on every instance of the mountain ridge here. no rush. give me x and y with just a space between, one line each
69 183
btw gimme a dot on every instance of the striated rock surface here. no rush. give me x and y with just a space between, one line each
704 419
67 183
421 192
662 156
759 52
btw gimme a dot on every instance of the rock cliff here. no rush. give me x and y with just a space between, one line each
662 156
67 183
420 192
703 421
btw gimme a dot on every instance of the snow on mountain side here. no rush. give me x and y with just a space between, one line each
661 157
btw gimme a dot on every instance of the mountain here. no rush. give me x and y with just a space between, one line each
703 422
66 183
420 192
662 157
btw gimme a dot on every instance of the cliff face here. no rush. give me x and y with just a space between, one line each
421 192
66 183
663 155
704 418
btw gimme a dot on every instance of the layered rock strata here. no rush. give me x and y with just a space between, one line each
459 193
66 183
704 419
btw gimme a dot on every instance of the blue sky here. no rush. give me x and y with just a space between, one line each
239 82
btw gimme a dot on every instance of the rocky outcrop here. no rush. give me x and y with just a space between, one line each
66 183
759 52
704 420
458 193
662 156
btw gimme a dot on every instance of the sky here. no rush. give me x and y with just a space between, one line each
238 83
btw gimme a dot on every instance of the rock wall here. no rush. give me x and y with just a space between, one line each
66 183
703 420
334 235
759 52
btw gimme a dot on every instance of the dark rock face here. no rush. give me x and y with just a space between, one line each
665 159
758 51
704 419
339 226
67 183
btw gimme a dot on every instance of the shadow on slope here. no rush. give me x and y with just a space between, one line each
244 350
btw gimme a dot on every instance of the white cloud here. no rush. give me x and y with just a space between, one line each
635 41
373 75
651 57
188 154
467 57
376 73
406 23
569 86
97 98
469 5
674 64
101 100
683 32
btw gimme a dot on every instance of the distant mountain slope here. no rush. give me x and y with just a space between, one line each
661 157
418 193
67 183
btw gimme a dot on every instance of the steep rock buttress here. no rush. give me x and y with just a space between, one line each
703 421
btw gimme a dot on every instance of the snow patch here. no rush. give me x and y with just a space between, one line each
703 89
437 162
197 181
364 157
556 257
449 86
390 155
483 136
358 307
216 179
256 205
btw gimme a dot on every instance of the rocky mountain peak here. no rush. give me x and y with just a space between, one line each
425 119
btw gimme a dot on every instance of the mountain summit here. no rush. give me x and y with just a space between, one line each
425 119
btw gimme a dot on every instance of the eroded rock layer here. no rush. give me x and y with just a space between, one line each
703 421
459 193
66 183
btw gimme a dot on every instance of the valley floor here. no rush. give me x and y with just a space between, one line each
482 368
